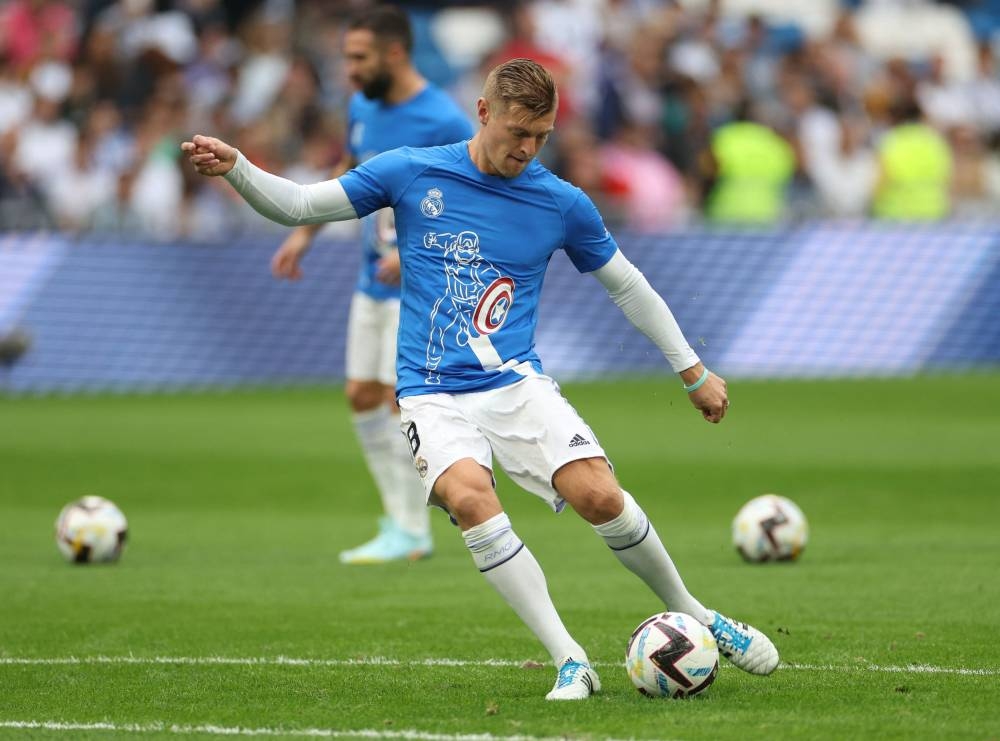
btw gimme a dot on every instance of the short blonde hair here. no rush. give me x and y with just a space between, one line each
523 83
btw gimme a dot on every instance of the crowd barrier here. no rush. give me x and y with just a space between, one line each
819 300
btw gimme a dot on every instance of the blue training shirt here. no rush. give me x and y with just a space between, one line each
474 249
427 119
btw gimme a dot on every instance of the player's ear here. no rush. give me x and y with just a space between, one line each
395 52
483 111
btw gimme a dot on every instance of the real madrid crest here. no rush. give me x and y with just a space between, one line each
432 205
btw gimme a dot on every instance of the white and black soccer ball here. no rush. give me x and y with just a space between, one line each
770 528
672 655
91 530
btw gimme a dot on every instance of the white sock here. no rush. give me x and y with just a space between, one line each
409 501
372 428
634 541
509 566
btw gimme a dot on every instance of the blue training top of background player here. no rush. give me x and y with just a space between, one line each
427 119
474 250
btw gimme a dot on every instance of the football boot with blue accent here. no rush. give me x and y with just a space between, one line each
391 544
576 681
745 646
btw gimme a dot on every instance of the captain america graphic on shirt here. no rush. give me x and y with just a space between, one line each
476 299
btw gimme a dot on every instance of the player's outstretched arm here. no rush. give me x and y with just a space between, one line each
275 198
647 310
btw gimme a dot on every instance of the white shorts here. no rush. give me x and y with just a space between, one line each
371 339
529 426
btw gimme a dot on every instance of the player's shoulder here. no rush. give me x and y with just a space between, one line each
358 104
439 97
444 110
444 154
562 192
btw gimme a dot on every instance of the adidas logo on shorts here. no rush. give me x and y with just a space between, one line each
578 440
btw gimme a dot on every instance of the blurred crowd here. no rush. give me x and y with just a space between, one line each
671 112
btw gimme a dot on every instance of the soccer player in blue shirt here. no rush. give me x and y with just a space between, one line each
477 222
394 106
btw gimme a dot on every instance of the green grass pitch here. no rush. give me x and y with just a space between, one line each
229 611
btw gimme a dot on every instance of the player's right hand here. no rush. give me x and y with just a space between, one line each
285 263
210 156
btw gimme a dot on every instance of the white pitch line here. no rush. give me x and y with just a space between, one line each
252 661
213 730
908 669
432 662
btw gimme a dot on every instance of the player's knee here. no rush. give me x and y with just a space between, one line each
591 490
601 504
471 507
466 490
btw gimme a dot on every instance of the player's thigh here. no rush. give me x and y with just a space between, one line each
370 356
440 434
534 432
388 332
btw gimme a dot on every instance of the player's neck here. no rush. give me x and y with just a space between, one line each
478 156
406 84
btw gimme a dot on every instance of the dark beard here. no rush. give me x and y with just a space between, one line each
377 87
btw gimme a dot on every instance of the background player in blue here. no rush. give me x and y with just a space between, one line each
394 106
477 223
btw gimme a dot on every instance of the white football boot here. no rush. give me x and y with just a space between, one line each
744 646
576 681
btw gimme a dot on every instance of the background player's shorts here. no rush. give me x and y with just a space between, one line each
530 428
371 339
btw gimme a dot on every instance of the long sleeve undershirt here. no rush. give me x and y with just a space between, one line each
286 202
644 307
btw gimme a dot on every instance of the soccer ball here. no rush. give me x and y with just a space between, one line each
91 530
770 528
671 655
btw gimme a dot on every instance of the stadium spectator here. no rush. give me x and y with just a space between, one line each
970 184
752 167
814 128
648 187
32 31
915 168
44 144
264 69
984 92
82 189
479 222
945 102
845 178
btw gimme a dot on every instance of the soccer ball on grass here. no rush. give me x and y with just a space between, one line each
91 530
671 655
770 528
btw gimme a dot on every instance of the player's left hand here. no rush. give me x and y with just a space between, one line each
387 269
711 398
